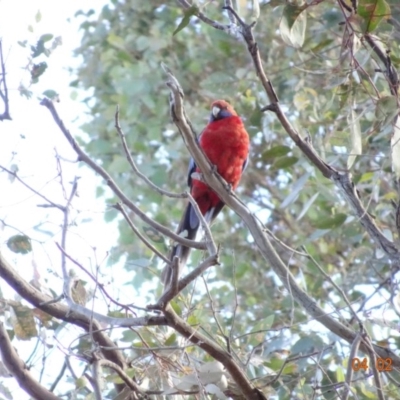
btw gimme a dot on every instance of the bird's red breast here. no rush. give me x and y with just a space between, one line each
225 142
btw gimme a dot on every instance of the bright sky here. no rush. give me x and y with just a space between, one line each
30 141
32 138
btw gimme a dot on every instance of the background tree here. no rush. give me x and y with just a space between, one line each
307 283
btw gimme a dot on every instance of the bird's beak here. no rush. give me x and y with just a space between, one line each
215 111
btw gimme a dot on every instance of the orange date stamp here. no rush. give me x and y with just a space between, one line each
382 364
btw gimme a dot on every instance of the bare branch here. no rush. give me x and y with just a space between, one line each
121 373
82 156
373 366
170 293
212 247
350 367
19 370
185 4
341 292
134 167
215 351
120 208
15 175
390 71
66 277
3 87
59 376
78 315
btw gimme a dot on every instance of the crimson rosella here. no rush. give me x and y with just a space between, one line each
226 144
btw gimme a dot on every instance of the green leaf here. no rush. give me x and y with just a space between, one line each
176 307
306 206
46 37
110 214
171 340
356 139
128 336
116 41
38 49
256 10
293 25
14 168
153 235
303 346
372 12
276 151
386 109
297 187
285 162
23 322
340 375
395 146
192 10
367 176
51 94
330 222
38 70
38 16
20 244
269 321
307 344
119 164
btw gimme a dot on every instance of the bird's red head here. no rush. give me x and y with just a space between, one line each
220 109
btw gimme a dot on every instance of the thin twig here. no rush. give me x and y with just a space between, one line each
374 366
4 90
37 193
16 366
221 330
340 290
134 167
120 208
97 377
59 376
122 374
215 351
170 293
212 247
350 366
74 313
114 187
66 277
185 4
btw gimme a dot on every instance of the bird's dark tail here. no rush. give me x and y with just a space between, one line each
188 228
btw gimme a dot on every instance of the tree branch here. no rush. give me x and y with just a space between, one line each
215 351
120 208
20 371
170 293
63 312
256 230
134 167
82 156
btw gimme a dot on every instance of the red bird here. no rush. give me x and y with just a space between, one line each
226 144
